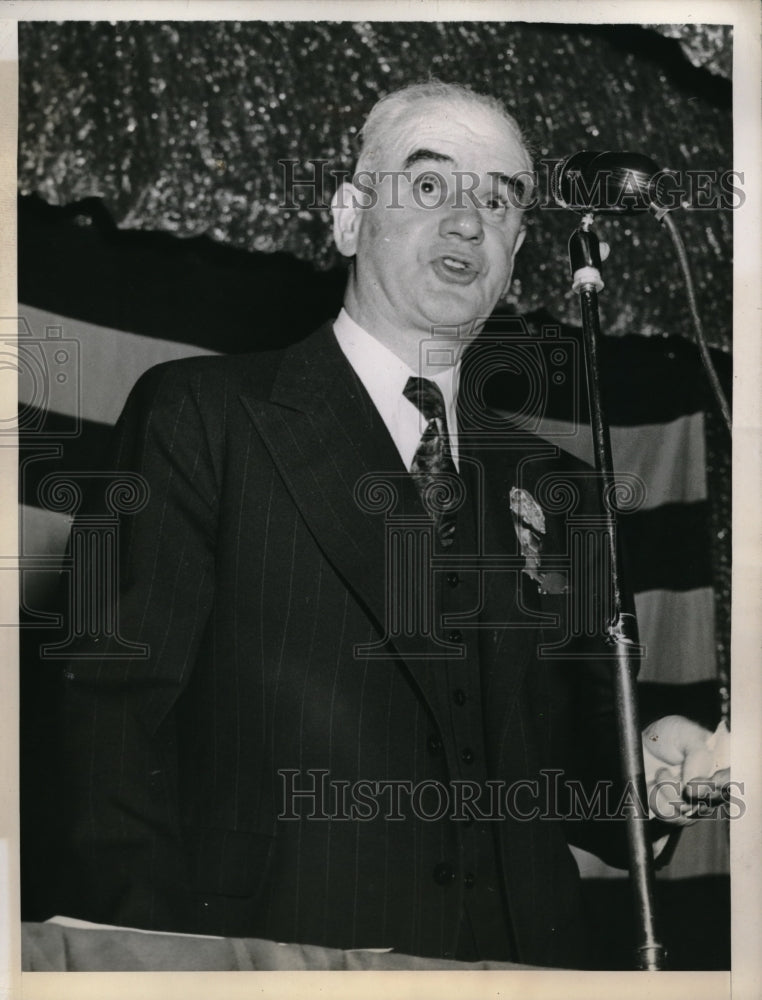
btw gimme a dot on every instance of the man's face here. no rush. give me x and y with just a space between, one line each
436 244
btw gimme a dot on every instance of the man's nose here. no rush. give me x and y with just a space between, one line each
462 220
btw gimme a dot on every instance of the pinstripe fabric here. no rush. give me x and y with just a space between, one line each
253 574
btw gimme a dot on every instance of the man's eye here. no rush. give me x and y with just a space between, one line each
430 190
496 205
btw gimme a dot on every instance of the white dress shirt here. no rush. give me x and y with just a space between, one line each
384 376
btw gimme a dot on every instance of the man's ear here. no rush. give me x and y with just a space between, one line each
345 208
516 247
519 242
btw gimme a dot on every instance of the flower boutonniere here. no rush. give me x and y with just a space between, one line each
529 524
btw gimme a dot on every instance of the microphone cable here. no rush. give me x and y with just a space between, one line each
703 347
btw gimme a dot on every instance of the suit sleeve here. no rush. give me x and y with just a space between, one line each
122 861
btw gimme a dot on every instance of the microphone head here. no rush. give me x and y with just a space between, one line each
605 182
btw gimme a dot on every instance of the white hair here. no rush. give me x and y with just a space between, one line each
382 124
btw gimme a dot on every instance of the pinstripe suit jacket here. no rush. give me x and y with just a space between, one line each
258 577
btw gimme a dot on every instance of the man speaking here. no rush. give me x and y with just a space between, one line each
358 708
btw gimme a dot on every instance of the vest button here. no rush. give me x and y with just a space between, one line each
459 696
467 755
443 873
452 579
469 879
434 743
455 636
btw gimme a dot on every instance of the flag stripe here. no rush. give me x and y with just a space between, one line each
75 262
81 370
666 547
698 700
669 458
53 447
677 629
644 380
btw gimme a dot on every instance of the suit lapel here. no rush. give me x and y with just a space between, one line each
331 447
327 440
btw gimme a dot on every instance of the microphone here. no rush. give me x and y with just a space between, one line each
608 182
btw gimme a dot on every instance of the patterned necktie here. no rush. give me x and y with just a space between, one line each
433 469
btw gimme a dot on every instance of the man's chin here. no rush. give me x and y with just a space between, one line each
467 321
451 307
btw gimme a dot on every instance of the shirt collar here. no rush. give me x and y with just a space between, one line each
374 363
384 376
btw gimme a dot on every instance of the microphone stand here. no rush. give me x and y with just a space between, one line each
621 632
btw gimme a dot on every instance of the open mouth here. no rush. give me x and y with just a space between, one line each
455 269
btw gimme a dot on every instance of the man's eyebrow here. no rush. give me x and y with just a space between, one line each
518 184
508 180
426 154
